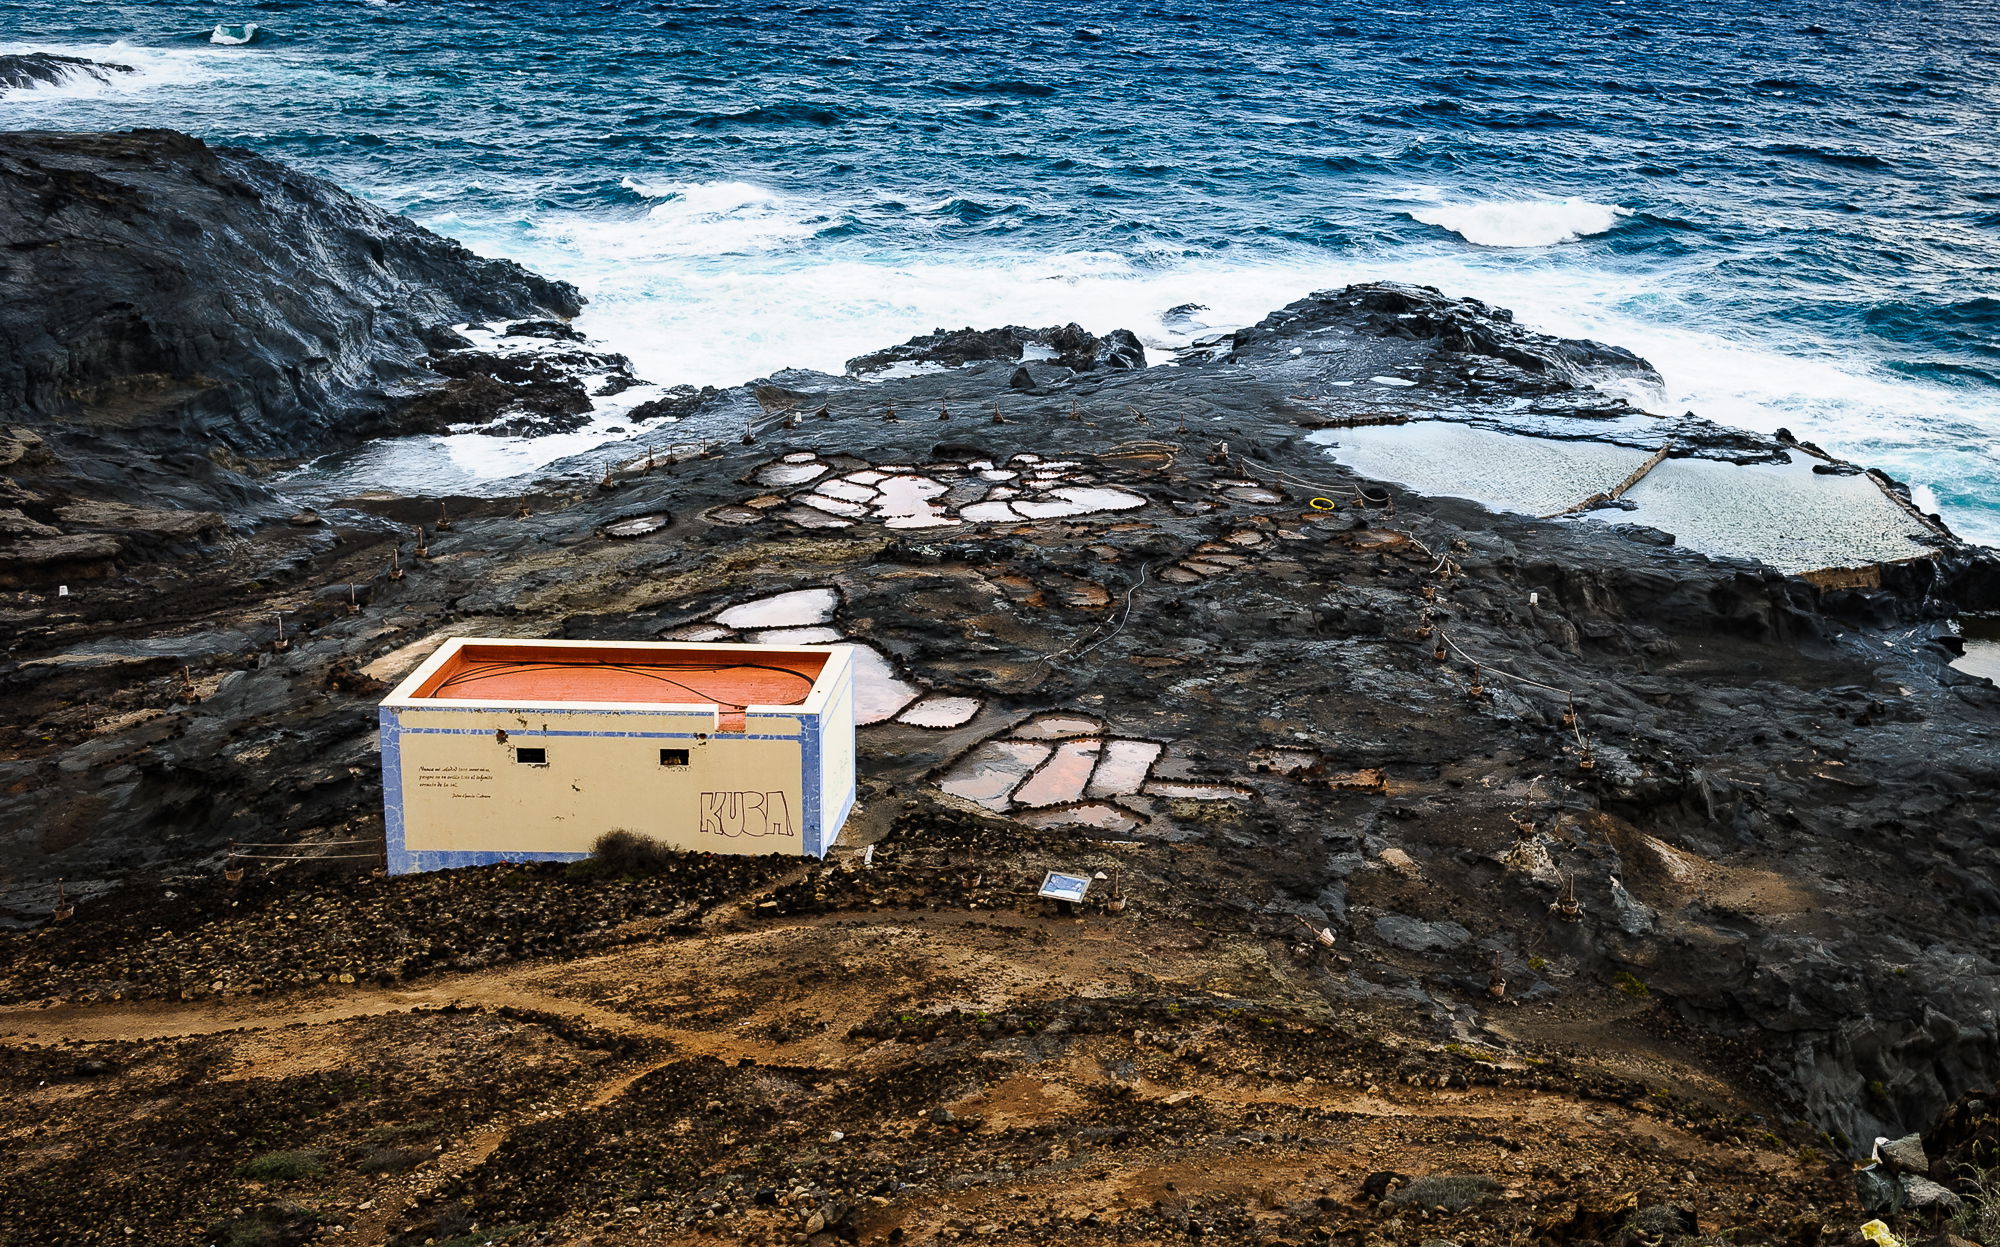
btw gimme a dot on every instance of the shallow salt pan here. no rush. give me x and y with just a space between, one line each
941 712
789 473
1503 471
784 610
846 490
698 632
987 774
796 636
832 506
879 692
1785 515
1061 779
1122 769
906 503
1078 500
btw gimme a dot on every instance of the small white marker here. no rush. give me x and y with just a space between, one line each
62 591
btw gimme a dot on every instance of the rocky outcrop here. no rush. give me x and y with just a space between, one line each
26 71
1464 327
1061 346
171 312
171 295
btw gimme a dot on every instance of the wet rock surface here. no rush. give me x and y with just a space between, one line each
27 70
1648 834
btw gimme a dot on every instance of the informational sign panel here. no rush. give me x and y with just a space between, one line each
1060 887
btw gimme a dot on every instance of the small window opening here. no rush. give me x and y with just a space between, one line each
673 757
532 757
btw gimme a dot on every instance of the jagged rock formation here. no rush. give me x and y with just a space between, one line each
1068 347
167 294
170 311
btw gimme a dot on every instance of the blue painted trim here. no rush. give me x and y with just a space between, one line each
811 834
397 858
452 859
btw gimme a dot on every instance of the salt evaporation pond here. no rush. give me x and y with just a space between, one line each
1785 515
1537 475
799 608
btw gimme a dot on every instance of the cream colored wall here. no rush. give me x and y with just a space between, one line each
465 792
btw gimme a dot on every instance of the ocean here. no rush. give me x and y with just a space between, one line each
1791 210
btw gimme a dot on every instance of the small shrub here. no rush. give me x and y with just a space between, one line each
400 1130
1538 964
392 1159
1628 982
283 1166
622 854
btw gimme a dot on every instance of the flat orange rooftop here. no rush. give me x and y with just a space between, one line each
526 673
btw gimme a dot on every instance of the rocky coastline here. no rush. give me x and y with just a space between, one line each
1616 818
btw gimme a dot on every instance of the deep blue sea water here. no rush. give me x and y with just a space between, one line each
1793 211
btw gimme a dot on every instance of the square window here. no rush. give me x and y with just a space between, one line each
532 757
673 757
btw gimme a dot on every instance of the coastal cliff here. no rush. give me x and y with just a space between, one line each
1657 883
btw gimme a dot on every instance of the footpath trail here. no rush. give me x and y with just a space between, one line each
814 994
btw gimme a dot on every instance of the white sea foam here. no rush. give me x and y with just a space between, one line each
689 219
1522 222
152 69
669 293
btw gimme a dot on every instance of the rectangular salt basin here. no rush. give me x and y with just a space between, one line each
1785 515
1535 475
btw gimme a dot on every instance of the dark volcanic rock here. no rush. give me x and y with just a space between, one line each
1070 346
26 71
176 295
1462 326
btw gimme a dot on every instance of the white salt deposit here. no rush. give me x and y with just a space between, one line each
1196 792
784 610
879 692
1122 769
1057 727
941 712
1096 815
846 490
988 512
832 506
698 632
776 474
795 636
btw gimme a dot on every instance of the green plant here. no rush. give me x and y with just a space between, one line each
1538 964
392 1159
1978 1216
1628 982
283 1166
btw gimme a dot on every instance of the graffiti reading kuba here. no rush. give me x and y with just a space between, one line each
746 814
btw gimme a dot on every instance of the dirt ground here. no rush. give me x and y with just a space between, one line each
921 1074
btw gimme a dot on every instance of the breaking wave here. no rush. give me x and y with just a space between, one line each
1524 222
